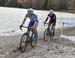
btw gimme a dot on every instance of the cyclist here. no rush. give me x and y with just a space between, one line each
52 19
33 20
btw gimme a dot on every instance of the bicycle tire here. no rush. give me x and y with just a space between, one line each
52 32
22 41
44 36
33 42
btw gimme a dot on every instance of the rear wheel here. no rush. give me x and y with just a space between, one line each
23 44
33 39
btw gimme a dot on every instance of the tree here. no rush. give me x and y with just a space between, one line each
45 4
71 4
2 2
35 4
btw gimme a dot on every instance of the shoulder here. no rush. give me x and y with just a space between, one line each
54 14
48 14
34 14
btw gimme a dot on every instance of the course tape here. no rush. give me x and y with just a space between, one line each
69 23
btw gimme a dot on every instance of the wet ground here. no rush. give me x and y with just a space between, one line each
54 48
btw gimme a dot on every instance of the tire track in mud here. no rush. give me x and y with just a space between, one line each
11 53
14 52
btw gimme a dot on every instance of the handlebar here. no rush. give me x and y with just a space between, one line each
25 26
46 23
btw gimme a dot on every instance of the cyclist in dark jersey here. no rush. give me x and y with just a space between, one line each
52 18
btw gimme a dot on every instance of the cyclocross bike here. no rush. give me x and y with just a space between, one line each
49 32
28 38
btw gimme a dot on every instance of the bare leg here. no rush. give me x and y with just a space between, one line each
35 28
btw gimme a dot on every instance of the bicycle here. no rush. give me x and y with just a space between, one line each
28 38
49 32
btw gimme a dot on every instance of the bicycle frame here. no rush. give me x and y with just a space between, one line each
28 29
50 27
49 31
28 40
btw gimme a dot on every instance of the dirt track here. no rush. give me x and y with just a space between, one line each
55 48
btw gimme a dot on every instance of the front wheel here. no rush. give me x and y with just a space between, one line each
23 44
44 36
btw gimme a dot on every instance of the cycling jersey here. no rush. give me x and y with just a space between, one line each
52 19
33 19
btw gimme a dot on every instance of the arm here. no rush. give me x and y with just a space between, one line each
55 19
46 19
23 21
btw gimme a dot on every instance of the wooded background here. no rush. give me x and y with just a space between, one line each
40 4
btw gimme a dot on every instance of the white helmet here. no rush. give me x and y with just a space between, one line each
30 11
51 12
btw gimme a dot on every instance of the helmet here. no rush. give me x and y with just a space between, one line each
51 12
30 11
